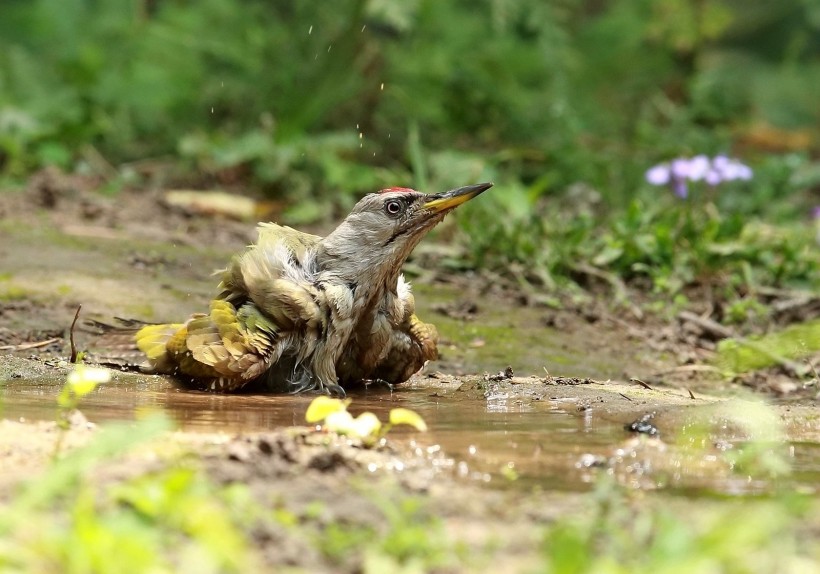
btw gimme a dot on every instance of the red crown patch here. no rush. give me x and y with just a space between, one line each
397 189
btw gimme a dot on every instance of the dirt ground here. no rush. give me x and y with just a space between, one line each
63 245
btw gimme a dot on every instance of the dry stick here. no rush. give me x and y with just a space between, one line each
691 394
709 325
26 346
640 382
74 353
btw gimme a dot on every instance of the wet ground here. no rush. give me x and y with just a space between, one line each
587 397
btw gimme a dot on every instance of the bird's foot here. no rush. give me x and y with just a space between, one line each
334 389
368 382
310 384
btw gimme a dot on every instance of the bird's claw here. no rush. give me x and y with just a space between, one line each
334 389
387 384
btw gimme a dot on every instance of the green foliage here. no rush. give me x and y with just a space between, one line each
412 540
563 104
793 342
626 534
568 91
173 520
666 243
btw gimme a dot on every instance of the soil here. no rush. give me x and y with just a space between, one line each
63 245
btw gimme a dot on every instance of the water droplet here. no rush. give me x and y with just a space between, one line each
310 30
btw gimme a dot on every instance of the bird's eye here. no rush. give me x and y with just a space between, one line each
393 207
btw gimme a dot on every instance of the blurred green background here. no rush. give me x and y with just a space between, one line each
563 104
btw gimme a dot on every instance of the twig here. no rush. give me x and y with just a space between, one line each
691 394
71 335
626 397
640 382
26 346
710 326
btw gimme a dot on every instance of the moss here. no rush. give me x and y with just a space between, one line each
13 292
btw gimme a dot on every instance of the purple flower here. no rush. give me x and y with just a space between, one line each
720 162
699 168
658 175
744 172
713 177
731 169
680 188
680 168
815 213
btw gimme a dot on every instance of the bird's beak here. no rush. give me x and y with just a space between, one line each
438 202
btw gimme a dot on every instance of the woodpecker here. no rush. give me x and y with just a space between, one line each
301 312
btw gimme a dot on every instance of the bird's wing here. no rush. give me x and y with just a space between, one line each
267 297
279 252
233 343
298 241
222 350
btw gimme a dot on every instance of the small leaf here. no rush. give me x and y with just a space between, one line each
340 422
607 255
83 380
402 416
321 407
366 425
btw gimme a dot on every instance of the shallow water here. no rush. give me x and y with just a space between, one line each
497 439
485 439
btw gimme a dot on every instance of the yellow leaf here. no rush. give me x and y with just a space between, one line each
322 406
340 422
366 425
83 380
402 416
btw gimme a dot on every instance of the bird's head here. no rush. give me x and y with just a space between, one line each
384 227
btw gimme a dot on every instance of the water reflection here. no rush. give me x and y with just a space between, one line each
551 444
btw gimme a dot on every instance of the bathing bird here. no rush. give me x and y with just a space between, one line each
300 312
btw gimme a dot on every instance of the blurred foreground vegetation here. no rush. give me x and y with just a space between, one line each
565 105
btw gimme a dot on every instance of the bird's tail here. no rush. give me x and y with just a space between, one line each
129 343
152 341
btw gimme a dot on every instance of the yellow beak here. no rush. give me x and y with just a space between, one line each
449 199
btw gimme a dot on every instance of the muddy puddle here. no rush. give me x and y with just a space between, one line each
486 441
521 433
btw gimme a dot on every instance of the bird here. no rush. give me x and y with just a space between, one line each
300 312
